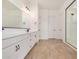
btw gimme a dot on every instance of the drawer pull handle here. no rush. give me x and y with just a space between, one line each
17 47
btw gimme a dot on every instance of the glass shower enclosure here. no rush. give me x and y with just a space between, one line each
71 24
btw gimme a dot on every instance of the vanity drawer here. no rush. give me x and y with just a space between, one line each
9 52
34 36
32 39
16 51
10 41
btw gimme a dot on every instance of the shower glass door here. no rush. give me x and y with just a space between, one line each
71 24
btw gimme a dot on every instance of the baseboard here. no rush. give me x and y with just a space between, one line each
55 39
51 39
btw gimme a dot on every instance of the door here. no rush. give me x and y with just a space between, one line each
71 25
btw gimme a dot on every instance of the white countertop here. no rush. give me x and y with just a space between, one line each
11 32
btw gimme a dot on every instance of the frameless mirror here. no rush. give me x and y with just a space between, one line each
71 24
12 15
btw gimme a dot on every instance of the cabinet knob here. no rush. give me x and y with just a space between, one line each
28 29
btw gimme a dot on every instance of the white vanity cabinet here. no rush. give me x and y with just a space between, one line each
16 43
12 40
18 47
33 39
15 53
15 47
34 36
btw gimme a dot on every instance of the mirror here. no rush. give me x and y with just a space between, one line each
71 24
12 16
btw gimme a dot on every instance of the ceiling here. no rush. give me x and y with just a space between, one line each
51 4
47 4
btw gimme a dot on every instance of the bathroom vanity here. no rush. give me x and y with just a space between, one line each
18 17
17 43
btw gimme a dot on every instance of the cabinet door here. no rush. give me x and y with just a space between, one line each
10 41
33 37
9 52
13 53
24 49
